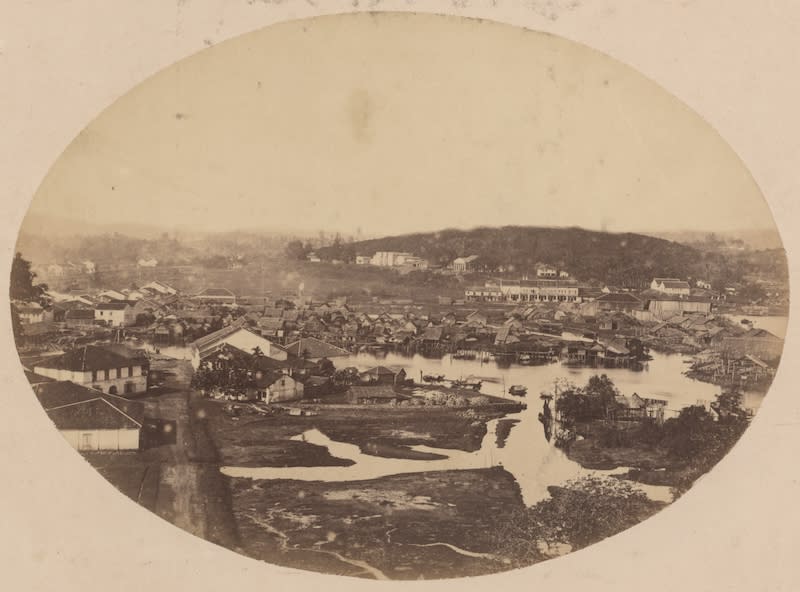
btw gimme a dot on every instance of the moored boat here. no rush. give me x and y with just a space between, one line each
518 390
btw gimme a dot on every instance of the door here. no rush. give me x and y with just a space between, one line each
87 441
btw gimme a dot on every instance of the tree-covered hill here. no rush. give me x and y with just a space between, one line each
629 260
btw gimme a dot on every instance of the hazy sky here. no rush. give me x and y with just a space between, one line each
396 123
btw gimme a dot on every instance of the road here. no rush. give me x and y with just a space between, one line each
192 493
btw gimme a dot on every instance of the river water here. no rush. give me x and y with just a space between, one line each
773 324
534 461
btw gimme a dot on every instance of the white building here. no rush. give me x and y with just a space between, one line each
363 260
160 288
29 312
115 314
98 367
702 284
111 295
390 258
543 290
671 286
546 271
238 337
464 264
90 420
150 262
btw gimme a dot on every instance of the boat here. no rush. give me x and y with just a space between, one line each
518 390
433 378
467 384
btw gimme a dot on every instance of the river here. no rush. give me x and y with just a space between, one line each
774 324
534 461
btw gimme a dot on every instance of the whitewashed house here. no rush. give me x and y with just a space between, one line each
100 368
672 286
90 420
115 314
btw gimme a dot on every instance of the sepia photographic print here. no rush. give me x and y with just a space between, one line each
344 295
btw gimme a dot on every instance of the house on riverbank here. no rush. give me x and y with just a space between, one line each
382 375
237 336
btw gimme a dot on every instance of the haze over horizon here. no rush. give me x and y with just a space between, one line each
48 224
479 124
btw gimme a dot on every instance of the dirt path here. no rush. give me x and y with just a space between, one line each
192 493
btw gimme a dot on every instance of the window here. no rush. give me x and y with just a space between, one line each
94 375
105 374
130 370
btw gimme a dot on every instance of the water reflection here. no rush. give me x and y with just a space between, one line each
534 461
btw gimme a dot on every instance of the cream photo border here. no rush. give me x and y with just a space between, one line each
733 62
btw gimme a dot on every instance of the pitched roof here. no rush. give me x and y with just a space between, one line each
623 297
216 292
127 351
79 314
433 333
379 371
201 342
315 348
761 334
270 323
88 357
673 283
35 379
117 305
72 406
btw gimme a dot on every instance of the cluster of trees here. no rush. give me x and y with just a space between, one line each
22 283
229 373
590 509
577 515
697 437
297 250
24 288
595 401
623 259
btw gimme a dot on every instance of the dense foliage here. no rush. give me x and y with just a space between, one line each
22 282
624 259
577 515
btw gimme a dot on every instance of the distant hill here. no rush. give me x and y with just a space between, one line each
628 260
751 238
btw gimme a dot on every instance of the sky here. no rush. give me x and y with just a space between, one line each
397 123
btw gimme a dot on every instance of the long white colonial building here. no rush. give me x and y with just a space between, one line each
539 290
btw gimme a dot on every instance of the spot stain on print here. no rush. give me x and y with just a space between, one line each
360 108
